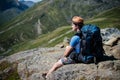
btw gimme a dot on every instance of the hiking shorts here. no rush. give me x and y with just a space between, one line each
67 60
77 58
70 59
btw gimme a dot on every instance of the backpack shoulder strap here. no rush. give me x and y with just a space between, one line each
79 34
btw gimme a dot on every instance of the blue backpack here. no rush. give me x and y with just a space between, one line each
91 43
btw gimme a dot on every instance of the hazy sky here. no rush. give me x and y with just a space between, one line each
32 0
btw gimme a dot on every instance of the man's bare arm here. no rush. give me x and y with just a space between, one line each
67 51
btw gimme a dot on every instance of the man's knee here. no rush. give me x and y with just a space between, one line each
67 47
67 60
59 62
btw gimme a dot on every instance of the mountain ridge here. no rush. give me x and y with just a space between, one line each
45 16
9 9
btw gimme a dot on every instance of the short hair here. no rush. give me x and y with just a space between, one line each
77 20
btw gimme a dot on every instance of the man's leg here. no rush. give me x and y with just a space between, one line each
55 67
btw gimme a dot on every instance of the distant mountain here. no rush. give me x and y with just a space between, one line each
47 16
12 8
6 4
28 3
9 14
56 13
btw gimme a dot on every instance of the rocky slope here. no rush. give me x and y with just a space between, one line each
32 63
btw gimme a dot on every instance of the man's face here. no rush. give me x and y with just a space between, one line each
74 27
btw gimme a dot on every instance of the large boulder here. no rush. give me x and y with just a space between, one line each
32 63
112 41
109 33
116 51
112 47
108 70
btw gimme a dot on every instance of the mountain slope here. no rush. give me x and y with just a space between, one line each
109 18
28 3
12 8
57 36
46 16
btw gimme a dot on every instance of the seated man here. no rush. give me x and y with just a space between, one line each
73 50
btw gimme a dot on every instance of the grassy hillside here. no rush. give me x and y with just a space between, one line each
46 40
47 16
108 18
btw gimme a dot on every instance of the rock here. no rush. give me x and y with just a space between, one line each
106 65
112 47
66 40
109 33
116 65
22 71
108 50
32 63
116 51
113 50
36 76
88 72
112 41
64 43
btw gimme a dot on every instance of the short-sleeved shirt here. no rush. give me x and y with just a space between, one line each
75 43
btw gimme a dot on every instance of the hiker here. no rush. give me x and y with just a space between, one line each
76 52
77 23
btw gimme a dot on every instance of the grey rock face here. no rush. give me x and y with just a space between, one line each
104 71
109 33
111 42
32 63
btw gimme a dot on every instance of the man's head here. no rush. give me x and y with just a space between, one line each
77 22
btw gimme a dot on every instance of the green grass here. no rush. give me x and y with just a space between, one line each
42 41
4 65
110 18
11 74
